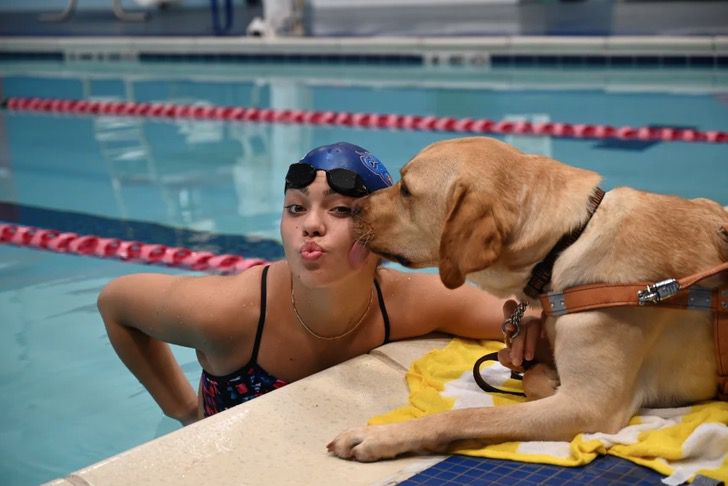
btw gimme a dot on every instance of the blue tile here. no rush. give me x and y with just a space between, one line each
607 470
449 474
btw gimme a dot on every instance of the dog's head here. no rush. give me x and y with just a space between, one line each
469 204
448 209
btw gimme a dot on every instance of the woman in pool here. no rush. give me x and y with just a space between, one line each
327 302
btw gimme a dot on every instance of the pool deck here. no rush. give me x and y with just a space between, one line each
280 438
476 50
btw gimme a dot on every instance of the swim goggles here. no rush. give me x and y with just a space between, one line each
343 181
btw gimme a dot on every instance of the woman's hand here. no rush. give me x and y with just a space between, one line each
531 343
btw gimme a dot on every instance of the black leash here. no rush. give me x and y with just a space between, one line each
485 386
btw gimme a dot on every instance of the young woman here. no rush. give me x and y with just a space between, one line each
327 302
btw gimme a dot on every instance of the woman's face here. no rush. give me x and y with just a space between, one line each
318 233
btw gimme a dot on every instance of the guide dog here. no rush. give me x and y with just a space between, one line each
480 209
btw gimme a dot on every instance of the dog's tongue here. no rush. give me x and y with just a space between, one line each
358 254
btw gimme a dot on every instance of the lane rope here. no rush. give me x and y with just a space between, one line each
361 120
123 250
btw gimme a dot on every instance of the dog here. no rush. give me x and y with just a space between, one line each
480 209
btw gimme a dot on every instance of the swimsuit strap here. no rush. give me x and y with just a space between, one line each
383 308
261 319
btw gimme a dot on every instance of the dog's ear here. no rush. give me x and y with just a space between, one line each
472 237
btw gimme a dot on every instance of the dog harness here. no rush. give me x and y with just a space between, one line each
674 293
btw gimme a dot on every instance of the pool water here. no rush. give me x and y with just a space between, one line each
67 399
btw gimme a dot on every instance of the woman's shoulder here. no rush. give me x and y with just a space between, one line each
222 302
399 281
419 302
409 297
409 290
243 283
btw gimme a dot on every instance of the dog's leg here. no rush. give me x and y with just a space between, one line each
552 418
598 366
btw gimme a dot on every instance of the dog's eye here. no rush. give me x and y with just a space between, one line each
404 191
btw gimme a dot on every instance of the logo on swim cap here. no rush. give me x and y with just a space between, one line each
373 164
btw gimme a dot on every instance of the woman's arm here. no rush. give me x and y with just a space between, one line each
143 313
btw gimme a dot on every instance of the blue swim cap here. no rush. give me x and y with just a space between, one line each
345 155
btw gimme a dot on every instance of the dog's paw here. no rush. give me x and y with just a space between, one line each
364 444
541 381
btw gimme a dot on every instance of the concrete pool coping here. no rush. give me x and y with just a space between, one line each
280 438
431 49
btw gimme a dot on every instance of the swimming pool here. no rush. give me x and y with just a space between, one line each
68 400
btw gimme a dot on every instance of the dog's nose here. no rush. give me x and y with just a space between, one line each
356 209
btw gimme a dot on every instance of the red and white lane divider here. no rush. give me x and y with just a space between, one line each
362 120
130 251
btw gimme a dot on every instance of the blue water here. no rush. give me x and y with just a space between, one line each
67 400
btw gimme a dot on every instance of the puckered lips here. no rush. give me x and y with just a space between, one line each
311 251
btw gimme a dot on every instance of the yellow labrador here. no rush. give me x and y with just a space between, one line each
479 208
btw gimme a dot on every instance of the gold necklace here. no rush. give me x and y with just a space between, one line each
330 338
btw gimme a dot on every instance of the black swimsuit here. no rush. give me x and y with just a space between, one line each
222 392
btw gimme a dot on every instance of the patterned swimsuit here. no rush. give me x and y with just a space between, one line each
222 392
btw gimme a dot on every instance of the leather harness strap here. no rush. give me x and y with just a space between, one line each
598 296
720 333
669 293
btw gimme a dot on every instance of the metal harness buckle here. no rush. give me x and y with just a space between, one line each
511 327
658 291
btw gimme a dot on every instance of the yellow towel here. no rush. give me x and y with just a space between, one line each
679 443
